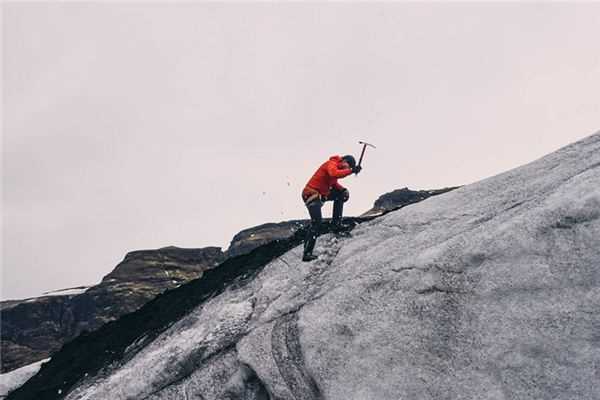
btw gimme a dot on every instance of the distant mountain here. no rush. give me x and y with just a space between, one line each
32 329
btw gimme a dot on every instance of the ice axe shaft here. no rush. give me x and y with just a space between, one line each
362 154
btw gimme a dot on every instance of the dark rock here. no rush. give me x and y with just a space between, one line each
251 238
402 197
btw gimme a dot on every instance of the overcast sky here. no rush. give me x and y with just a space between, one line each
141 126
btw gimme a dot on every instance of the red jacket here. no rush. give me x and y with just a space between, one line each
327 175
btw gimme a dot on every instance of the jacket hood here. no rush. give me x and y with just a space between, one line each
335 158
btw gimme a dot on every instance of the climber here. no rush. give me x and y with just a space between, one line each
322 187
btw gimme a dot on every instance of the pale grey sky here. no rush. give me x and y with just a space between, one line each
135 126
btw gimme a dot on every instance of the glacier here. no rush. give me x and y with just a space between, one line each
490 291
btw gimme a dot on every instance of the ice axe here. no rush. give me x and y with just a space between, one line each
362 154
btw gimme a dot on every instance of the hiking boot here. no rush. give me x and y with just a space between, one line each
309 257
341 229
342 234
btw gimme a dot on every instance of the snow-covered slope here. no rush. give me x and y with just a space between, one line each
13 379
67 292
490 291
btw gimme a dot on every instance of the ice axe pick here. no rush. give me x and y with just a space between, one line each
362 154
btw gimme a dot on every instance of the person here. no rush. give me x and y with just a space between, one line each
323 186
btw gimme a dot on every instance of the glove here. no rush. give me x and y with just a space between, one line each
357 169
345 195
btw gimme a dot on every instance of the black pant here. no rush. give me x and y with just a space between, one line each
314 210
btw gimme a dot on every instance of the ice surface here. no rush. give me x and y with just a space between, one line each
490 291
13 379
66 292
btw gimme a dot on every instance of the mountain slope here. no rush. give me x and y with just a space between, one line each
490 291
35 328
